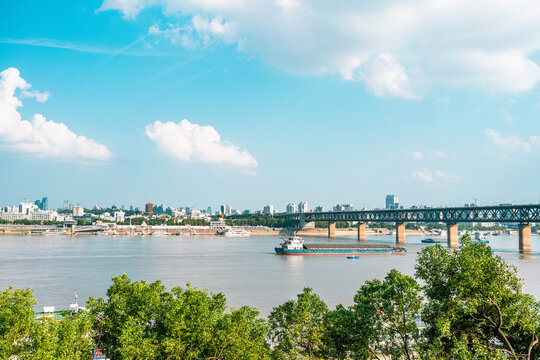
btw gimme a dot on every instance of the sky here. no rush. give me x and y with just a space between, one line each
250 102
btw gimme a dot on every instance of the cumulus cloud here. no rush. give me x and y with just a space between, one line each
512 143
190 142
426 175
39 137
396 48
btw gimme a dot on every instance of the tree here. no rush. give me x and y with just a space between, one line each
475 305
298 327
383 318
144 321
16 320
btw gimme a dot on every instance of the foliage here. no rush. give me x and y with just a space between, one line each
144 321
16 319
297 327
47 338
381 322
339 224
259 220
476 307
384 315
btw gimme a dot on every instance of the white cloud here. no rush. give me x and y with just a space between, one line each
397 48
39 137
426 175
416 155
512 143
190 142
200 32
436 154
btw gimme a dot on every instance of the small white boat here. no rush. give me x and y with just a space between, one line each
54 232
236 233
160 233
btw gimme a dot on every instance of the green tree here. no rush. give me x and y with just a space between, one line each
297 327
16 320
144 321
384 318
475 305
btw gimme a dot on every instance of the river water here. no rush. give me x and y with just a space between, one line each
246 270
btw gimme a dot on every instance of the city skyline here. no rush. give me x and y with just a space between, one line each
185 103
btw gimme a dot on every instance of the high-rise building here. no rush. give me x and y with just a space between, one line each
302 207
209 210
319 209
226 209
78 210
392 202
45 203
268 210
291 208
149 209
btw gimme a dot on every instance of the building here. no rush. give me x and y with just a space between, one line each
226 209
268 210
344 207
319 209
392 202
45 203
78 211
149 209
119 216
302 207
291 208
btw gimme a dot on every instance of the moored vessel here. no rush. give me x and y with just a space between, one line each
236 233
294 245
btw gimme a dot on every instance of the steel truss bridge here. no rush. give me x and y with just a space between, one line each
523 214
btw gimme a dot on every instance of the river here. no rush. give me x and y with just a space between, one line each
246 270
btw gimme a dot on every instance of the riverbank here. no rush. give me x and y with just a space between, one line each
187 230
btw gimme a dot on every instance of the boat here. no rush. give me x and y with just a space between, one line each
353 257
294 245
54 232
236 233
479 236
479 241
160 233
433 241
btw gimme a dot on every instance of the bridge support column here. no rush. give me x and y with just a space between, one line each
525 244
452 235
361 231
331 229
400 233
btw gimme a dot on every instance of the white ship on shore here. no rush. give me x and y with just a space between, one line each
236 233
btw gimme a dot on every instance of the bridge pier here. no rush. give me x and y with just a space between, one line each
400 233
331 229
361 231
452 235
525 244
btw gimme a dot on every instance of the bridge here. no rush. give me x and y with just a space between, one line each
524 215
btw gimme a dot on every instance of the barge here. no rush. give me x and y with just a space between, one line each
294 245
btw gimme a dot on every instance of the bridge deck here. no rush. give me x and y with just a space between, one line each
499 214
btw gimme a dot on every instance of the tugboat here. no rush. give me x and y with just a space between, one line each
294 245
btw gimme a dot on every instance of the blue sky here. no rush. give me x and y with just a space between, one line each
284 101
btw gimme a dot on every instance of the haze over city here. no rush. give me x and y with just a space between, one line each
250 103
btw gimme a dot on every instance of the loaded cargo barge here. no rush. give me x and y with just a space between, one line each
295 246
